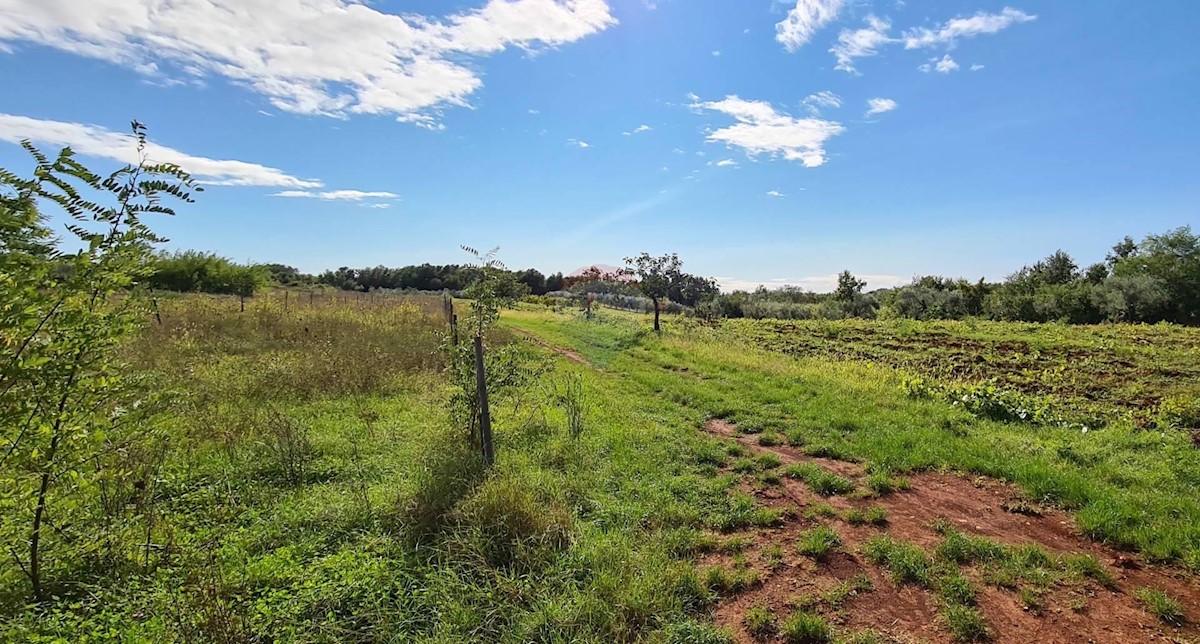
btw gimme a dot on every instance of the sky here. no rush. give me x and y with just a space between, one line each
765 141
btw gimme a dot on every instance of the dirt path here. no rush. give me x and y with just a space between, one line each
1078 612
566 353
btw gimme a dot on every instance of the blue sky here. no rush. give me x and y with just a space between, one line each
764 141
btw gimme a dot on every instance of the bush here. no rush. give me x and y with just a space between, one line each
195 272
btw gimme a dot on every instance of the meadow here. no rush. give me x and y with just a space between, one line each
732 481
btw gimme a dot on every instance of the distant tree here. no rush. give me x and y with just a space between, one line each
554 282
655 275
848 287
1120 251
691 290
1058 268
1096 273
1173 258
534 280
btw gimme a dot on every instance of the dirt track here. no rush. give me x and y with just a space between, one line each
1074 613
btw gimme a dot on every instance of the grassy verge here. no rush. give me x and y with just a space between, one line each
1128 487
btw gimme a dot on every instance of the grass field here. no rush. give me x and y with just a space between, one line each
315 489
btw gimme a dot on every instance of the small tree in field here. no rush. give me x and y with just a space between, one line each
848 287
71 413
655 277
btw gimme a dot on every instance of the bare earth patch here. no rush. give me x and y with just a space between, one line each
1077 611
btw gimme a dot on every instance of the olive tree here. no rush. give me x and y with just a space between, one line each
655 276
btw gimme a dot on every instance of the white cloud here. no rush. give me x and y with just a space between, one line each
337 195
816 283
535 112
943 65
760 129
861 43
638 130
96 141
814 102
724 163
678 151
946 65
880 105
976 67
804 20
775 193
866 41
716 53
328 57
377 205
979 24
578 143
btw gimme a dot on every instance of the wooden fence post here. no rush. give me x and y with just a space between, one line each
285 301
485 418
242 301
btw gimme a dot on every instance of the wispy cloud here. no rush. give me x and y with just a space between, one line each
716 53
976 67
880 105
724 163
638 130
867 41
338 195
325 57
804 20
775 193
826 99
761 129
577 143
97 141
980 24
861 43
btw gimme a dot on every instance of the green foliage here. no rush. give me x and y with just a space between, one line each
759 622
1163 606
906 562
72 416
821 480
196 272
818 542
875 515
805 628
965 623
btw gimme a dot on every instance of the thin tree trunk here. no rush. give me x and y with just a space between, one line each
35 538
656 329
485 417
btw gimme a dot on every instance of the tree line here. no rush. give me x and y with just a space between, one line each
1153 280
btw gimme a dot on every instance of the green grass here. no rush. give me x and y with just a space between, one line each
818 542
965 623
907 563
379 525
805 628
1166 608
819 479
760 622
875 515
1128 488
